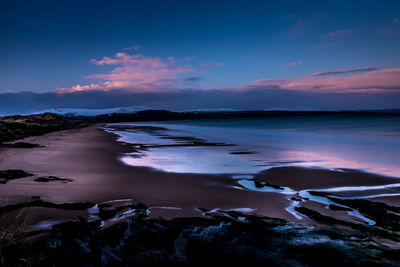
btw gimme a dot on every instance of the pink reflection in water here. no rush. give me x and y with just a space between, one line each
332 161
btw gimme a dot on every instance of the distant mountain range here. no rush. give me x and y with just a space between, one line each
140 113
79 112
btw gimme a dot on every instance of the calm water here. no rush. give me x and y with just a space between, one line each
368 143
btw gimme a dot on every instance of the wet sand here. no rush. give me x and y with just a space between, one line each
89 156
299 178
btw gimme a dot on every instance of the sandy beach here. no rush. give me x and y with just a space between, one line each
90 157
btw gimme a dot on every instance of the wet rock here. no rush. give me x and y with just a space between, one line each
319 194
45 179
373 230
8 175
242 152
312 214
37 202
20 145
146 241
106 213
384 215
298 198
337 207
259 184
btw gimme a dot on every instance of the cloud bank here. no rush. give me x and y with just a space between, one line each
374 81
138 73
168 83
344 71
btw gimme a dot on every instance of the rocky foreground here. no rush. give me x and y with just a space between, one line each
127 236
17 127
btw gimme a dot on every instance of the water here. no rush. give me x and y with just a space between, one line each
371 144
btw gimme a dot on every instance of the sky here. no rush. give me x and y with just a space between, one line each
199 54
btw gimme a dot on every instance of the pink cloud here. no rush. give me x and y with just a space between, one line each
337 33
291 64
386 80
137 73
344 71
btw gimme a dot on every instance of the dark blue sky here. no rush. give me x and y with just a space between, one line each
166 46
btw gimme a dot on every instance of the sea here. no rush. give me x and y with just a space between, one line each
249 145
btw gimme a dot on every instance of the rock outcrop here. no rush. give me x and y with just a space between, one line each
234 240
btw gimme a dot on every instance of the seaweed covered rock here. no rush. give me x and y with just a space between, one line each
8 175
152 241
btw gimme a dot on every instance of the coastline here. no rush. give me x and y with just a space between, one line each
90 202
89 157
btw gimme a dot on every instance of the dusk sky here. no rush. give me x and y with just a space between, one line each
199 54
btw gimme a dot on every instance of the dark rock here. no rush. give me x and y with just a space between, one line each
337 207
373 230
20 145
312 214
37 202
242 152
319 194
296 198
25 145
8 175
384 215
145 241
45 179
260 184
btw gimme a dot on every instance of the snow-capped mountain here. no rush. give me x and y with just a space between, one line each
211 110
77 112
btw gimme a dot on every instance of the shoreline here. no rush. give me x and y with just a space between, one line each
89 157
77 196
